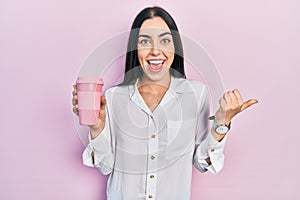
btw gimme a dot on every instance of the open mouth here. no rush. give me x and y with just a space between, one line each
156 65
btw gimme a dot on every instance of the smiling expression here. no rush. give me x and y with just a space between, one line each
155 49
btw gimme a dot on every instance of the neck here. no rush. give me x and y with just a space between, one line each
164 83
153 91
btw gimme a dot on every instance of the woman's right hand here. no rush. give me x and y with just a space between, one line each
97 128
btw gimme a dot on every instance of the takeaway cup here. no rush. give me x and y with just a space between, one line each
89 91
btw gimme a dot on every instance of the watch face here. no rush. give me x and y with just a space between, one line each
222 129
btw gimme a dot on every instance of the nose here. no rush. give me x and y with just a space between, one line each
155 50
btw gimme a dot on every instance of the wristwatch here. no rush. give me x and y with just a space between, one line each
222 128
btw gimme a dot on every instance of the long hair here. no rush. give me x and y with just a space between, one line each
133 70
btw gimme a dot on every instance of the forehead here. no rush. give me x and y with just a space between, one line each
154 25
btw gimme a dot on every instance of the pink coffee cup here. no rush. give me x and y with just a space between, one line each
89 92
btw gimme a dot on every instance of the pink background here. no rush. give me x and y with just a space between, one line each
254 44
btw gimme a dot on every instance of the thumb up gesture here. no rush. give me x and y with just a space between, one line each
230 105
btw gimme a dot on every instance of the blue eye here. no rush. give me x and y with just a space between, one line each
145 41
165 41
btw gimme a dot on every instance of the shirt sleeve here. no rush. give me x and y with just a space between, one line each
102 147
206 145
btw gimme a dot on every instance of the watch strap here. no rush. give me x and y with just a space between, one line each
215 123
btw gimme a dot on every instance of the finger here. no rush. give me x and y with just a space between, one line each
248 103
102 113
238 96
74 92
75 97
75 109
74 102
222 103
227 98
234 101
103 102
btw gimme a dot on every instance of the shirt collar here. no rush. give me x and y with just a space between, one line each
177 86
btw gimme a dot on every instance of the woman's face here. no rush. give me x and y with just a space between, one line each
155 49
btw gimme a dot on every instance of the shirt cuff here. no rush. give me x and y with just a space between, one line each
213 143
213 149
101 143
101 147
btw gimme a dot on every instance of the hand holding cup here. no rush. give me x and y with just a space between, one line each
89 104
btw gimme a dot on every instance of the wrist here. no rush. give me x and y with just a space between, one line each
222 121
220 126
217 136
95 132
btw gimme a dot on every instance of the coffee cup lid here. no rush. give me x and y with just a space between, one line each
90 80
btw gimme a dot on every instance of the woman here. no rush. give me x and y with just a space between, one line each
154 125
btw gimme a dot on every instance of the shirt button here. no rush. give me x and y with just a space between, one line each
153 135
151 176
152 157
150 196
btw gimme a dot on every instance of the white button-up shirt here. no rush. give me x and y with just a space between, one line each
149 155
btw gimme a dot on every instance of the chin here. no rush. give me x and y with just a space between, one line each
158 76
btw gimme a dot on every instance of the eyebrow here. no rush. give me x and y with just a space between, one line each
160 35
165 33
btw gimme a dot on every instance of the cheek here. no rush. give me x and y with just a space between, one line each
170 56
170 53
142 55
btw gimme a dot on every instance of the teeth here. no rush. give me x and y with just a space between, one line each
156 62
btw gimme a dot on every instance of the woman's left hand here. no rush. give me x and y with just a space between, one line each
230 105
